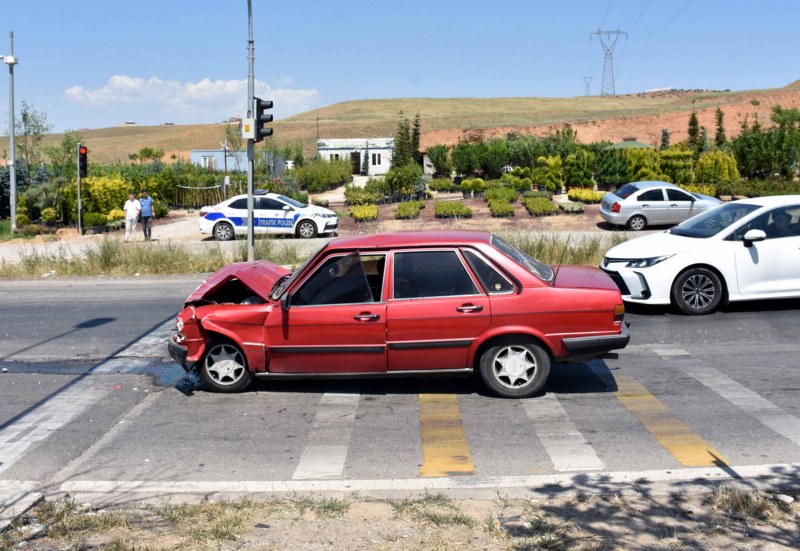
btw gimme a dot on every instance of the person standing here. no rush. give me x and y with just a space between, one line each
147 214
132 210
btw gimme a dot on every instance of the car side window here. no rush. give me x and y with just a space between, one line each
431 274
340 280
651 195
492 280
240 203
266 203
677 195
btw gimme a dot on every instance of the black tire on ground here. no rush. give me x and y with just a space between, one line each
224 368
637 223
515 369
306 229
697 291
223 231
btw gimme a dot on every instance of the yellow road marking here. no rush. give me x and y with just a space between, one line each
445 451
672 433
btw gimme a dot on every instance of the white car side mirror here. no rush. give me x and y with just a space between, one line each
752 236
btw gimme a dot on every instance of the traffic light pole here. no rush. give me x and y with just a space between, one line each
250 141
80 202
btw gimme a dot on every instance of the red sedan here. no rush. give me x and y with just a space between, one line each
405 303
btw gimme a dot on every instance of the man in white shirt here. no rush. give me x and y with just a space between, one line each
132 209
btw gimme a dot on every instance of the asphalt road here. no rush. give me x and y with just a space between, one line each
91 404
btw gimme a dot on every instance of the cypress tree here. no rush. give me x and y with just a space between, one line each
720 139
664 138
694 132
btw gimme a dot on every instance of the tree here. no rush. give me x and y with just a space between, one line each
440 158
719 138
612 169
577 169
403 144
233 137
664 138
30 130
716 167
694 133
415 134
493 156
464 160
677 163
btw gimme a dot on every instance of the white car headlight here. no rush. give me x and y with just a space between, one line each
647 262
324 215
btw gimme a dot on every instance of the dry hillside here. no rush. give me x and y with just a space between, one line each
446 120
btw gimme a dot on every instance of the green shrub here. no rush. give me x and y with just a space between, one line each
321 202
506 194
442 185
478 185
585 195
530 193
539 206
22 220
354 196
94 219
116 214
408 210
572 208
320 175
705 189
501 208
49 215
451 209
160 210
364 213
466 186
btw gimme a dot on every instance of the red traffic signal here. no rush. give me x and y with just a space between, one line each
82 161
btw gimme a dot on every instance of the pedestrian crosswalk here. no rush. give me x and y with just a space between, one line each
452 434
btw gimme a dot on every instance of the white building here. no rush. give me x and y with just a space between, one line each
377 151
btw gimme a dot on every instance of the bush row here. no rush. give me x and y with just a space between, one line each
451 209
540 206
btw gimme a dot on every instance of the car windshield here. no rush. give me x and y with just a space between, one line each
626 191
283 283
713 221
536 267
290 201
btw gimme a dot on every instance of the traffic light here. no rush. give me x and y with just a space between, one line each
82 151
262 118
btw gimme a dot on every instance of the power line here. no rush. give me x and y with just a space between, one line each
641 13
603 22
670 20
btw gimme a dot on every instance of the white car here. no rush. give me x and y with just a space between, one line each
272 213
743 250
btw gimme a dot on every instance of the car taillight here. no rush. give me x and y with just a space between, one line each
615 207
619 313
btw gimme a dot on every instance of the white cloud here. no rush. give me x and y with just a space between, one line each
153 100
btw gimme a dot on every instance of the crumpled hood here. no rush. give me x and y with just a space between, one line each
259 276
656 244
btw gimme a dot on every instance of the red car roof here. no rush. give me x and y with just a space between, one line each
411 239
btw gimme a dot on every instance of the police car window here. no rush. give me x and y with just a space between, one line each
240 203
490 278
266 203
431 274
651 195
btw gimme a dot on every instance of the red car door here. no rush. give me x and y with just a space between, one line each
335 321
436 311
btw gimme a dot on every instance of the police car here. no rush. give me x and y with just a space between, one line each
272 214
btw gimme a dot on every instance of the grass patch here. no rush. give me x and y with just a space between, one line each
436 509
579 249
742 505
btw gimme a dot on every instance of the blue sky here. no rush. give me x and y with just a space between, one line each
95 64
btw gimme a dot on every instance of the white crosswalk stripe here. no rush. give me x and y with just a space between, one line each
326 451
564 443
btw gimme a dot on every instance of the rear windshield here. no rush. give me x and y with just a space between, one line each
626 191
536 267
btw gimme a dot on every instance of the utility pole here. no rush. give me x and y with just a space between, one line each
251 242
225 180
588 81
10 60
611 37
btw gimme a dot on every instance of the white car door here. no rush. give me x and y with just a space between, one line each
769 267
274 218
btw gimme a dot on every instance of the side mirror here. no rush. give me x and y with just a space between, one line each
286 300
287 208
752 236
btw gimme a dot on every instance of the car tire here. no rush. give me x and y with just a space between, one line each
223 231
697 291
637 223
224 368
515 369
306 229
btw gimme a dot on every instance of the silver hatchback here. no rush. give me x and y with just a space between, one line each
641 204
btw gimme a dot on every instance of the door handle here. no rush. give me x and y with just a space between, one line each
467 308
674 205
366 317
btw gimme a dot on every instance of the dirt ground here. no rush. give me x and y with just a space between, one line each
720 520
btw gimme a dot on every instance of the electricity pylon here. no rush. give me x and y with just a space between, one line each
611 37
588 81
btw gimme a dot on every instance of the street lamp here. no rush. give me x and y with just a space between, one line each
10 60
